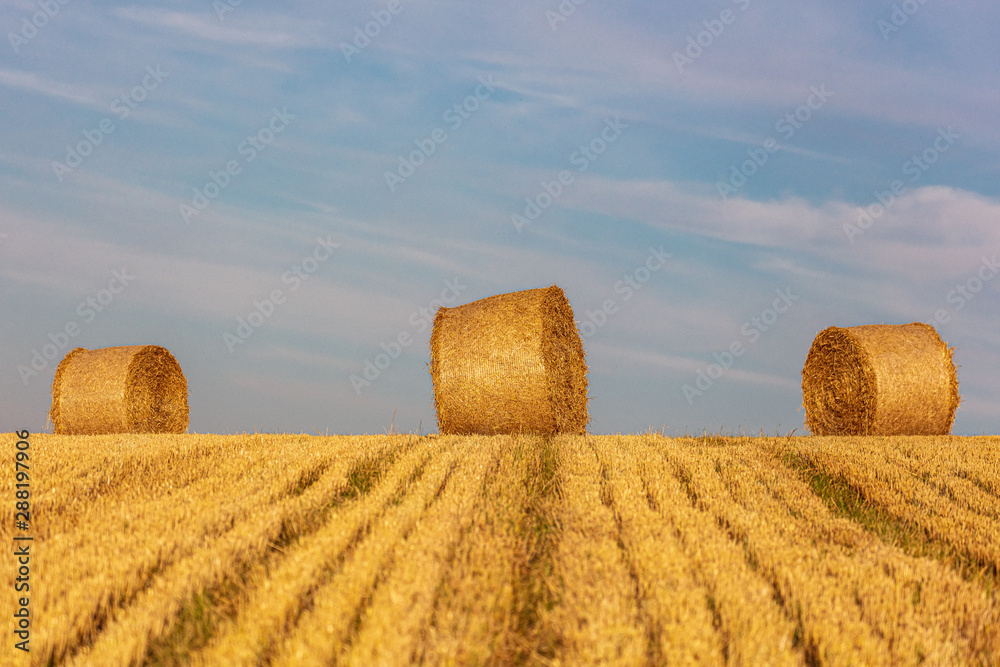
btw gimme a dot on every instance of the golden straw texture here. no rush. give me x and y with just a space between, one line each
880 379
127 389
509 363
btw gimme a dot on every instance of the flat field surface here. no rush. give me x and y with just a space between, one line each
574 550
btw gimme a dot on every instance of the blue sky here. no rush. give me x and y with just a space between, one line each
169 169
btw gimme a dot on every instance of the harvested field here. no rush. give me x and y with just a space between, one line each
496 550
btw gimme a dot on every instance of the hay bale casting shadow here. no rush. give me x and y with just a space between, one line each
880 379
509 363
128 389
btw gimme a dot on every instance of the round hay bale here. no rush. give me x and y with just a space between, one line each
880 379
128 389
509 363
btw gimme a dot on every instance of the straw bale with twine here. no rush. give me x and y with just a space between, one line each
880 379
509 363
127 389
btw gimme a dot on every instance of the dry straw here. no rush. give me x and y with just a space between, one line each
509 363
880 379
129 389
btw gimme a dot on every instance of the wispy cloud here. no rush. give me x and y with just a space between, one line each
206 26
646 362
36 83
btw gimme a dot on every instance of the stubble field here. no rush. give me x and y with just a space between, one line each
572 550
